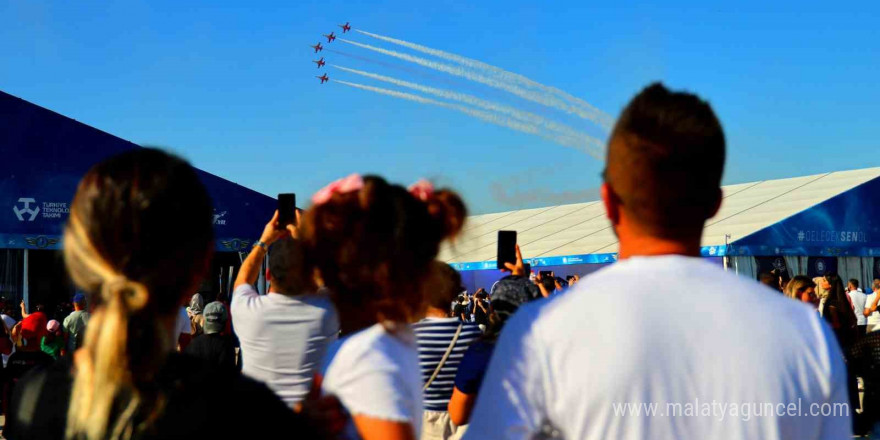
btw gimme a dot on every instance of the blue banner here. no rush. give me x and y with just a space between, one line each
845 225
45 156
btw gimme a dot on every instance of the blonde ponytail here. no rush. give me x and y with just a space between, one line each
102 378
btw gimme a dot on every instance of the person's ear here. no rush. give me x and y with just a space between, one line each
611 202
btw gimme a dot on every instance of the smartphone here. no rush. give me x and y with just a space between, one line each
286 210
546 274
506 248
528 267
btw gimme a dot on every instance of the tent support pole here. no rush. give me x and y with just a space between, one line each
25 292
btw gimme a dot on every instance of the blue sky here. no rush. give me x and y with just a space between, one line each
230 85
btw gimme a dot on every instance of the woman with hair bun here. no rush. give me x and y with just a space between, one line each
372 244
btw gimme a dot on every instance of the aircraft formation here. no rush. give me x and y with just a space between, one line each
318 47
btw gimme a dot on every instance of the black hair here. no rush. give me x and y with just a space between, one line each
854 282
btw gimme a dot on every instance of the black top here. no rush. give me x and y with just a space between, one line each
202 402
214 349
21 362
481 317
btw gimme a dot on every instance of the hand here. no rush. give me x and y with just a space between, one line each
516 269
271 233
294 230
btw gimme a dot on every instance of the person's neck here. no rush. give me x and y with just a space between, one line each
436 313
647 246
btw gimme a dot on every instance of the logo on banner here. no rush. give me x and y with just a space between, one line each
235 244
713 251
32 212
820 267
779 264
218 218
41 242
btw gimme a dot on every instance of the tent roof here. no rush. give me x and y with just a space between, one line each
581 229
45 156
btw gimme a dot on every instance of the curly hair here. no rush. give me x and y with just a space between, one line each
373 249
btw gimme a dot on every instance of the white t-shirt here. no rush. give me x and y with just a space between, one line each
858 299
375 373
283 338
874 318
574 362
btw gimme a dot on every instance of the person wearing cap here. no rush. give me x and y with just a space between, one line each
27 335
75 324
213 346
53 342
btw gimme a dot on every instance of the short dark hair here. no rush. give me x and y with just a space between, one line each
443 286
549 284
287 267
665 161
854 282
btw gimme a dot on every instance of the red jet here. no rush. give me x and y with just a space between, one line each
345 27
320 62
330 37
317 47
324 78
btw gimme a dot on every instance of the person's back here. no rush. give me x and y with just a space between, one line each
214 346
283 337
75 324
697 353
200 402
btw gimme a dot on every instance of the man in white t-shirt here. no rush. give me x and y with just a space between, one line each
284 335
579 366
859 302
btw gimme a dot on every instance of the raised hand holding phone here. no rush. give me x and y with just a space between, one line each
517 268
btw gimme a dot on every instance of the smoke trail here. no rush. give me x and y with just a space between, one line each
403 67
531 118
479 114
497 71
531 95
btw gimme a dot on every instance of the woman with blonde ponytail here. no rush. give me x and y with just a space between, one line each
138 240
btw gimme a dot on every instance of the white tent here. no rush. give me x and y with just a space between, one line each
568 234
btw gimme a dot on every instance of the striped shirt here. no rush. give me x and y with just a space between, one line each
434 336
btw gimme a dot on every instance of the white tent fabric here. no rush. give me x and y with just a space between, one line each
746 266
582 228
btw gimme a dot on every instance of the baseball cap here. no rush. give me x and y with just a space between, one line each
215 317
79 298
53 326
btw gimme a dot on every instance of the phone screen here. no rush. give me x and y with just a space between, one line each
286 209
506 248
528 267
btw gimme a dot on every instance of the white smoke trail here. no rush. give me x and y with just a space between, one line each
524 116
496 71
479 114
531 95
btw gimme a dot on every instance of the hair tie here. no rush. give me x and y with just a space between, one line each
132 294
422 190
353 182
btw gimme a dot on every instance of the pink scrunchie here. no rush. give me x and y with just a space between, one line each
422 190
353 182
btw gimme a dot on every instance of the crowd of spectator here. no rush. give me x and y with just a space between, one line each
364 334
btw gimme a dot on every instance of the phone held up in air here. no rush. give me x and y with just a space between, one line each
286 210
546 274
506 248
